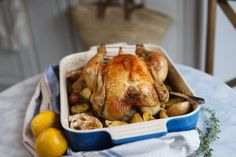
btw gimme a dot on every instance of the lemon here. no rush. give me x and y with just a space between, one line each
51 143
44 120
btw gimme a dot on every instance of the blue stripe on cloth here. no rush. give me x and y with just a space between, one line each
53 84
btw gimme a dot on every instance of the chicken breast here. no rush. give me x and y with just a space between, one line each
128 83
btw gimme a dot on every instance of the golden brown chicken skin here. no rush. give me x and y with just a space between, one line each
128 83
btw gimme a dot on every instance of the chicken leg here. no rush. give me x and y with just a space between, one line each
158 67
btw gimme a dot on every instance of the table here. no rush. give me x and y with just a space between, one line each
219 96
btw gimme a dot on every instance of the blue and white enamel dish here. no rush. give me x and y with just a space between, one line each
107 137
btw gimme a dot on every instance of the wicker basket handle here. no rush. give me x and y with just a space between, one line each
128 5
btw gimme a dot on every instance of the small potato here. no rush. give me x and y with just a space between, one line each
85 93
163 114
73 99
178 109
136 118
147 116
79 108
173 101
114 123
108 122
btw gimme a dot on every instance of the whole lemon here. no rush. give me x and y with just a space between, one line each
44 120
51 143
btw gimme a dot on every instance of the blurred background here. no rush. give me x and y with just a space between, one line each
36 33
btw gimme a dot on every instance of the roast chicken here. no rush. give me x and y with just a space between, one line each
126 83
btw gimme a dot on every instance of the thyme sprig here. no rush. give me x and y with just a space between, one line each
210 135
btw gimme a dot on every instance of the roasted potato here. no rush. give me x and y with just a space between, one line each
178 109
163 114
147 116
136 118
73 99
85 93
114 123
173 101
79 108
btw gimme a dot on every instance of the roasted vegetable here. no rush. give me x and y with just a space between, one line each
85 93
163 114
136 118
179 109
74 99
147 116
79 108
173 101
114 123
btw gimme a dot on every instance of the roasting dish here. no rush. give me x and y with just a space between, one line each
80 140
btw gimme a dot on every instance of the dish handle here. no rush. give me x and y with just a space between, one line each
138 131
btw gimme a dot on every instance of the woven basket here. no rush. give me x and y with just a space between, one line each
145 26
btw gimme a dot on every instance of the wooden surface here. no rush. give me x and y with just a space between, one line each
229 12
211 24
232 82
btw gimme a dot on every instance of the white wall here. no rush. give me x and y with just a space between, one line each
225 47
17 57
181 40
169 7
51 31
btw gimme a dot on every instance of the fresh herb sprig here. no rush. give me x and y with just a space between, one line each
210 135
